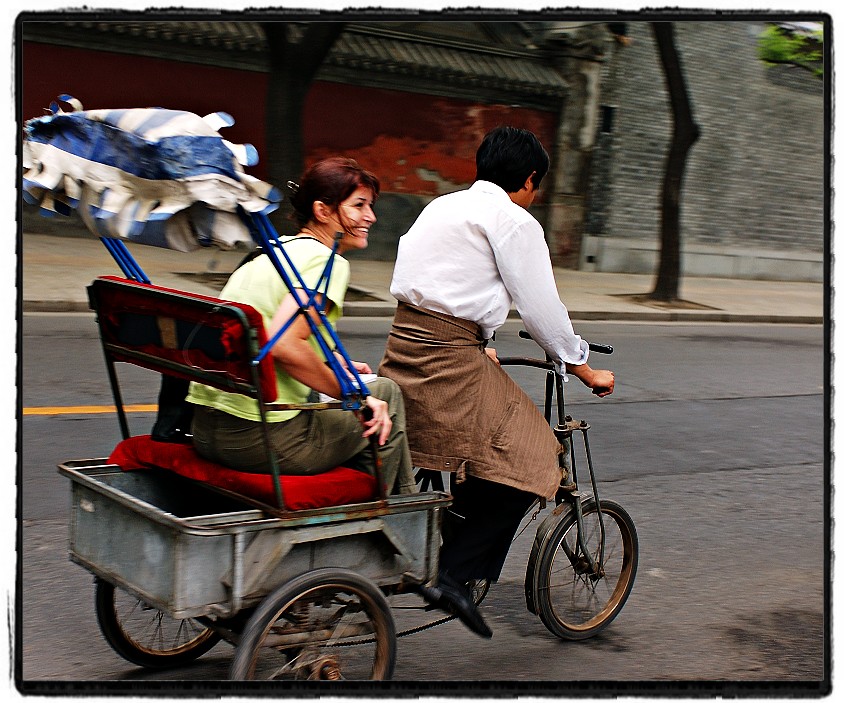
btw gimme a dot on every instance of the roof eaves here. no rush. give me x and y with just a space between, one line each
455 66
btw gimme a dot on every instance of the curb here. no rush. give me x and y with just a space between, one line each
386 310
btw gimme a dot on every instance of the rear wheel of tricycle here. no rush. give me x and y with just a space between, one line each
327 624
574 601
145 636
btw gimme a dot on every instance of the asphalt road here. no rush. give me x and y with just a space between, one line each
714 442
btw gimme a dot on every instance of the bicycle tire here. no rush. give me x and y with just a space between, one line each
324 624
146 636
571 603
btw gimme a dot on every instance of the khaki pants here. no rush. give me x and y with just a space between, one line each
313 442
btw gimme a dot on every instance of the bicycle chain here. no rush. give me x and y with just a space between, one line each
420 628
403 633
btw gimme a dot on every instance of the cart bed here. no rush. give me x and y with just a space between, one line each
188 550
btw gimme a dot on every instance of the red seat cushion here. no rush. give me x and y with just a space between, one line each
335 487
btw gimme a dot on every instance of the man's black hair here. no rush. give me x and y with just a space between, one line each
508 155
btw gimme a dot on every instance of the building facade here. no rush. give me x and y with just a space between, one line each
755 192
411 101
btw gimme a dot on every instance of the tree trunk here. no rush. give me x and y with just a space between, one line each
295 53
685 133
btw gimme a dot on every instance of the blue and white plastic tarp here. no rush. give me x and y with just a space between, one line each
147 175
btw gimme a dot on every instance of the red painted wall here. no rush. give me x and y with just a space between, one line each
416 144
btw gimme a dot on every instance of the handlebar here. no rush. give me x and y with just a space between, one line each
593 346
554 380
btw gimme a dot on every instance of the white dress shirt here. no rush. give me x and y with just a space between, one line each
475 253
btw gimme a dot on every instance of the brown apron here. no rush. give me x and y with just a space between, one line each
464 413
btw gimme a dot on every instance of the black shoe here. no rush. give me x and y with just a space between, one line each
448 595
174 436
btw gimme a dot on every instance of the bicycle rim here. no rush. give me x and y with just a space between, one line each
575 603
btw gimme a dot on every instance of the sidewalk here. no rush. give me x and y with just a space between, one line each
56 270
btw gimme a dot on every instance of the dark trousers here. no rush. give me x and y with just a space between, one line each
479 526
310 443
172 424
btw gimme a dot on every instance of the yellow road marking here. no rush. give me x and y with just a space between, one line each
88 409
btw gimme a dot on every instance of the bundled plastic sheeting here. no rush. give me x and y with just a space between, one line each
148 175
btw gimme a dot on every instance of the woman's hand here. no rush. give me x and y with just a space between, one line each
377 420
359 366
492 354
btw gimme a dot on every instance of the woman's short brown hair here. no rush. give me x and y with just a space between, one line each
330 181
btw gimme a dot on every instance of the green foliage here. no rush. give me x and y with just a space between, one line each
780 44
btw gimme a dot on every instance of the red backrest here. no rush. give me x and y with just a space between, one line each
186 335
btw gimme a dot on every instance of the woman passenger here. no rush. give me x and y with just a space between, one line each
334 199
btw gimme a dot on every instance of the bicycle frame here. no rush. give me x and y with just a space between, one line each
564 429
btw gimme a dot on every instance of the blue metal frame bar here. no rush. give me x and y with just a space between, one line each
353 390
131 269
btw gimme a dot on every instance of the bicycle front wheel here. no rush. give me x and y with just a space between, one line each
574 601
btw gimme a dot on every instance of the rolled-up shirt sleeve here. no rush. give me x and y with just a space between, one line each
524 263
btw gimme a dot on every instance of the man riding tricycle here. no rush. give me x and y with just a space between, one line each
285 497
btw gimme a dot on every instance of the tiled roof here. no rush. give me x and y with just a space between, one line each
464 66
244 36
361 47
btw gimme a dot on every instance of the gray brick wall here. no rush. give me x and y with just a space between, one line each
755 178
